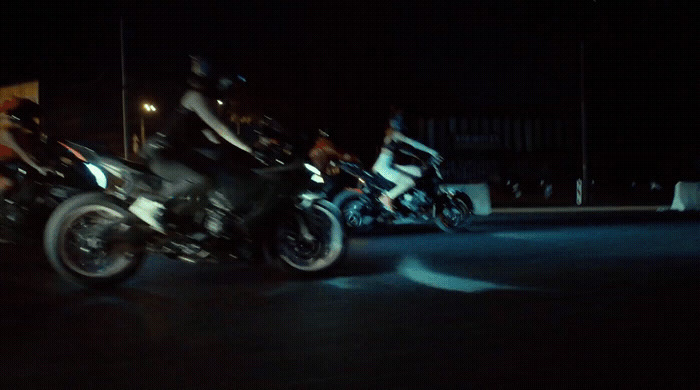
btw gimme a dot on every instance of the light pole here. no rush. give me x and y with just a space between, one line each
149 108
125 126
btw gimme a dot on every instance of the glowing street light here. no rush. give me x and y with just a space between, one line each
149 108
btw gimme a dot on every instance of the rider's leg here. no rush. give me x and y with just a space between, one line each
410 170
402 183
183 185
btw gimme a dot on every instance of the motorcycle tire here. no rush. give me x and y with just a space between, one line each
356 209
454 213
80 254
311 241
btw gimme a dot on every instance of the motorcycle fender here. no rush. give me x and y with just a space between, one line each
326 204
307 199
465 198
443 197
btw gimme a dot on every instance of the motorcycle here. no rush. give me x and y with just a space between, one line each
27 198
426 203
93 240
326 157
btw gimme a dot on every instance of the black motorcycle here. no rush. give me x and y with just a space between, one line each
426 203
93 240
26 204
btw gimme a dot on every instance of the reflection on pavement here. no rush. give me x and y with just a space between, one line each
412 269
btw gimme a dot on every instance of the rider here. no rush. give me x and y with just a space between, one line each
324 152
170 154
401 175
19 121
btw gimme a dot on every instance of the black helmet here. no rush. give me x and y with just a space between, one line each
397 123
25 113
201 73
200 67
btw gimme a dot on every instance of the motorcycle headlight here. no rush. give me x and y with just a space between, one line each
100 177
315 173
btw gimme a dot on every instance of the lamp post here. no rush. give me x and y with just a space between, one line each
149 108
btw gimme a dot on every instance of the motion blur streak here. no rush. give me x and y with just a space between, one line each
412 269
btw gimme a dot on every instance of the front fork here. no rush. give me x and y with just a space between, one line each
306 202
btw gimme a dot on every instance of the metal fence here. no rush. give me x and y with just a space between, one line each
479 148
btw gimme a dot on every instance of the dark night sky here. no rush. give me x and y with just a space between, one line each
341 65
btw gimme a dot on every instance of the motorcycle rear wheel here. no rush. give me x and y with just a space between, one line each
356 210
82 247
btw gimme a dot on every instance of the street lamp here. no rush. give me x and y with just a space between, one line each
149 108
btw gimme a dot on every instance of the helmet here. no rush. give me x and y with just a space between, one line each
200 67
200 73
396 122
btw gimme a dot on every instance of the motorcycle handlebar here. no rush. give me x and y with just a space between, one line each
350 167
437 160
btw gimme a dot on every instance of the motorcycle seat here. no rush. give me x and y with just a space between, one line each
381 182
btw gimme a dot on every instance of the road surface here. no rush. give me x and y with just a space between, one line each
522 301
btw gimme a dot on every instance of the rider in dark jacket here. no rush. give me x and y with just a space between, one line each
170 153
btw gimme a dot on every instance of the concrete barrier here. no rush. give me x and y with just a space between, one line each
686 196
479 194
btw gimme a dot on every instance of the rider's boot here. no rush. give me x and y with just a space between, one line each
387 202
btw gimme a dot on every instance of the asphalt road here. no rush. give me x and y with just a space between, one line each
523 301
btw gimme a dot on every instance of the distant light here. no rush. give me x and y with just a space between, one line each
149 107
220 102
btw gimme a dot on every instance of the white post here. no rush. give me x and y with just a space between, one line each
579 192
126 130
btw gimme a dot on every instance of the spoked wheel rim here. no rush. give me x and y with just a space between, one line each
88 245
313 250
455 214
353 213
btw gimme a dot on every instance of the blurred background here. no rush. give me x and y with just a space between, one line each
519 95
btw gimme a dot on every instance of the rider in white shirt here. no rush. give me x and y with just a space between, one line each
403 176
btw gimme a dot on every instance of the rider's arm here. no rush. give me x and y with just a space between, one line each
415 144
7 139
195 102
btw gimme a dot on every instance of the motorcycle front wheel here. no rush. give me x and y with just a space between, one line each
356 210
86 242
307 241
